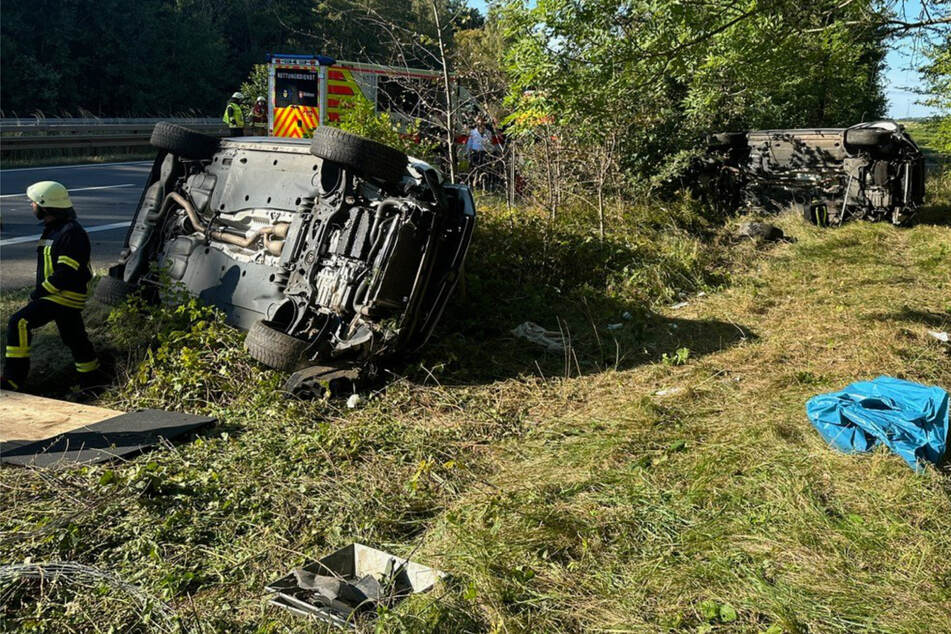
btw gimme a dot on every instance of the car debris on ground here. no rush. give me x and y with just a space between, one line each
551 340
871 171
346 586
760 232
909 418
49 433
335 251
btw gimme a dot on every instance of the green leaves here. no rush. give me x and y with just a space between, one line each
661 75
711 611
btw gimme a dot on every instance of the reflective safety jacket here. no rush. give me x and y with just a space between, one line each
62 264
234 116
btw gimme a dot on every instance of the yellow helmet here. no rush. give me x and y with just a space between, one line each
49 194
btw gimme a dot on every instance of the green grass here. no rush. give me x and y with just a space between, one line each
624 486
928 135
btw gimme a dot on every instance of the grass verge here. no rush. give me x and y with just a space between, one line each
661 475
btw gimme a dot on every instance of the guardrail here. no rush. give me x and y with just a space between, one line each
32 134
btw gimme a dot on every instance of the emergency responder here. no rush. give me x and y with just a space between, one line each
234 115
259 117
476 145
62 276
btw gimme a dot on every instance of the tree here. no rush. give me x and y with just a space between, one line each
628 84
937 88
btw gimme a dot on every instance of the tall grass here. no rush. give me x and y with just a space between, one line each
660 475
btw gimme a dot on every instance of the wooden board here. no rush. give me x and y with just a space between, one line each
28 417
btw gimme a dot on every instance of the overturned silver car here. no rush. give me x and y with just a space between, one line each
871 171
335 253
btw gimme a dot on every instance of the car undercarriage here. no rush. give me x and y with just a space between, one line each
872 171
335 253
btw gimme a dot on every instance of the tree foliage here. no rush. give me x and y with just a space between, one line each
937 76
160 57
658 76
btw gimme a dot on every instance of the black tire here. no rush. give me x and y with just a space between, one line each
727 140
111 291
362 156
274 348
867 137
183 142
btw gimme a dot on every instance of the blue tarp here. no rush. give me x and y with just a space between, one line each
910 418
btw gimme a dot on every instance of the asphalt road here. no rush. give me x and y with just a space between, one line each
104 195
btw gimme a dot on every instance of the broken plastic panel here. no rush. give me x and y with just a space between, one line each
348 585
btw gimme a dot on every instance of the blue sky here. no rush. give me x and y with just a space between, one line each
900 76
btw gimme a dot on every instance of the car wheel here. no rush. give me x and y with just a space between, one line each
274 348
358 154
112 291
726 140
183 142
867 137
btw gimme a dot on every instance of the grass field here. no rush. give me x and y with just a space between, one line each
660 476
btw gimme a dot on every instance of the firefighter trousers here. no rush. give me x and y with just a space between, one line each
40 312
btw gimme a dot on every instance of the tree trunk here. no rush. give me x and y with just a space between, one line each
601 208
447 88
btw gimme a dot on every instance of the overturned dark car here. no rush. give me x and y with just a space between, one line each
334 253
872 171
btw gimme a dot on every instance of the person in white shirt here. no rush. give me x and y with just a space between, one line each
476 146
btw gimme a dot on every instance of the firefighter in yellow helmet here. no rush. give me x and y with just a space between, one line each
62 277
234 115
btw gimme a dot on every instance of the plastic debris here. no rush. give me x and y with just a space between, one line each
346 586
354 401
940 336
679 305
551 340
909 418
614 326
627 316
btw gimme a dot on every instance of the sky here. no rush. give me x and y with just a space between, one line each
900 76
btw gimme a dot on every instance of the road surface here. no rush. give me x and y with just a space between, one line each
104 195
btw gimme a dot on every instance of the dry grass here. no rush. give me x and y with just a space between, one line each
562 496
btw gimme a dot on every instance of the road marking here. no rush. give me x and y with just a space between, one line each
78 189
60 167
115 225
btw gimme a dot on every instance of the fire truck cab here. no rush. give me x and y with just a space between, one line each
305 91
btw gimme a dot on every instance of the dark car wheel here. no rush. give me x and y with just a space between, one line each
867 137
183 142
358 154
111 291
727 140
274 348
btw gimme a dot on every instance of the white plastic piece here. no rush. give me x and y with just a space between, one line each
549 339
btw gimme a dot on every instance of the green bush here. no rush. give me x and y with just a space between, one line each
359 116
